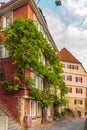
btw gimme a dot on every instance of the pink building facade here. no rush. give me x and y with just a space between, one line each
75 78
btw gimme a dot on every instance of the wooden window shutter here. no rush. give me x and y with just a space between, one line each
70 78
80 101
76 79
81 90
72 66
71 90
76 90
81 80
74 101
77 67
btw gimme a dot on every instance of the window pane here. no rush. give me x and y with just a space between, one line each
78 90
79 79
68 66
39 108
33 76
63 65
7 19
63 76
32 108
70 90
69 77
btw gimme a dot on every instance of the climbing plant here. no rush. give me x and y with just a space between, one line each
26 44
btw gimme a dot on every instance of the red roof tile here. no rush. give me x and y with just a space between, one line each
65 55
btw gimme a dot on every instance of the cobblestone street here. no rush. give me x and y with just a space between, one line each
67 124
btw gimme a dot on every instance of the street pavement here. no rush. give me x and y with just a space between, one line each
69 124
65 124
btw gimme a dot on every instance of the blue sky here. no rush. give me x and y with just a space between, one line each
68 25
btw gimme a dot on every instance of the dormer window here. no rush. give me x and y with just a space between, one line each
6 20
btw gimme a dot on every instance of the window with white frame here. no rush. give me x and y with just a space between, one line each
63 66
63 77
59 93
6 20
52 90
68 66
3 52
79 79
37 81
75 67
37 24
39 109
40 83
78 102
50 67
79 90
42 58
70 90
32 108
67 77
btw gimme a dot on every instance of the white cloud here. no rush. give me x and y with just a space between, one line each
85 23
72 37
76 8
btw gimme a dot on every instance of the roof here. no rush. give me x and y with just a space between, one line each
65 55
14 4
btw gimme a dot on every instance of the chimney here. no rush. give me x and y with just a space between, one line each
2 3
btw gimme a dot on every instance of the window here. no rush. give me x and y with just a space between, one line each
52 90
37 81
78 90
63 65
33 108
68 66
69 77
75 67
63 77
39 109
79 79
40 83
78 102
70 90
6 20
42 59
37 23
3 52
34 79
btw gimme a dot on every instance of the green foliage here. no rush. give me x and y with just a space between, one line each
67 112
8 86
63 88
29 81
26 44
36 94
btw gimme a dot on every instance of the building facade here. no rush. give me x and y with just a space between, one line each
75 78
18 104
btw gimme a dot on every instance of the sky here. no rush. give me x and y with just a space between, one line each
67 25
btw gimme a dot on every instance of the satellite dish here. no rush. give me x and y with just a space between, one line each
58 2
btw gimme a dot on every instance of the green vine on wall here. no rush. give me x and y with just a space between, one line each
26 44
